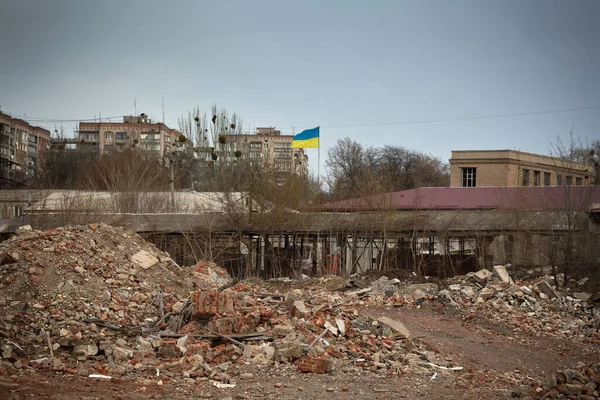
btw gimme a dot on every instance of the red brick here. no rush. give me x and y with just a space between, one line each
315 365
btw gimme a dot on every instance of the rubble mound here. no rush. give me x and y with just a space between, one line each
69 284
97 301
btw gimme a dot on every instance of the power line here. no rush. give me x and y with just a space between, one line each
430 121
40 119
413 122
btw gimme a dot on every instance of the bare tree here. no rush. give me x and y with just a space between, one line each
355 170
130 175
573 248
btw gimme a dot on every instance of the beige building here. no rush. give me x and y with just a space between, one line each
23 148
267 147
136 131
481 168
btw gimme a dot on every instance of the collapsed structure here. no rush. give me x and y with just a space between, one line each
100 301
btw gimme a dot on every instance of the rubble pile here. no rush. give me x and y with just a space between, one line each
79 288
581 382
100 301
534 308
316 329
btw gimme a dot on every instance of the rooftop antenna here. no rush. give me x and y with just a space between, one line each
163 109
134 107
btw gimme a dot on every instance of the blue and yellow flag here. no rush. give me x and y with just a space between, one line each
308 139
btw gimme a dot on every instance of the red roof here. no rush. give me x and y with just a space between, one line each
541 198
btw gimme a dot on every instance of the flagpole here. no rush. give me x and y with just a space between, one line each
319 160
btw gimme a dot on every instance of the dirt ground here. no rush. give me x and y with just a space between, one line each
497 365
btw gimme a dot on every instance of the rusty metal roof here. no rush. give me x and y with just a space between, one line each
541 198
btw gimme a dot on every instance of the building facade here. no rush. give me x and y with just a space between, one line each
483 168
136 131
23 148
267 147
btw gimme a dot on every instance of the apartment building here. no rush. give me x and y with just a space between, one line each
23 148
136 131
265 147
482 168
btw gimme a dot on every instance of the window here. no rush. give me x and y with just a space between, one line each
108 136
569 180
469 177
525 177
546 178
536 178
18 211
579 181
559 180
266 145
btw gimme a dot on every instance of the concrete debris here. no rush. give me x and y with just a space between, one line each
487 293
581 296
482 276
397 327
581 382
429 289
501 273
547 289
384 284
446 297
143 259
107 302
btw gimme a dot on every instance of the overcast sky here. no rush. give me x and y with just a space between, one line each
315 62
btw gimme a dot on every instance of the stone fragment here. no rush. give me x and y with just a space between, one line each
144 260
583 296
300 308
341 325
397 327
85 349
501 273
178 307
169 350
419 295
482 276
447 297
547 289
526 291
6 258
487 293
573 389
282 330
121 353
287 350
468 291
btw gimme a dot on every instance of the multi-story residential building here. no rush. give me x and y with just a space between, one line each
23 148
481 168
136 131
266 147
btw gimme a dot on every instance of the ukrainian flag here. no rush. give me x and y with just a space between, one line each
308 139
